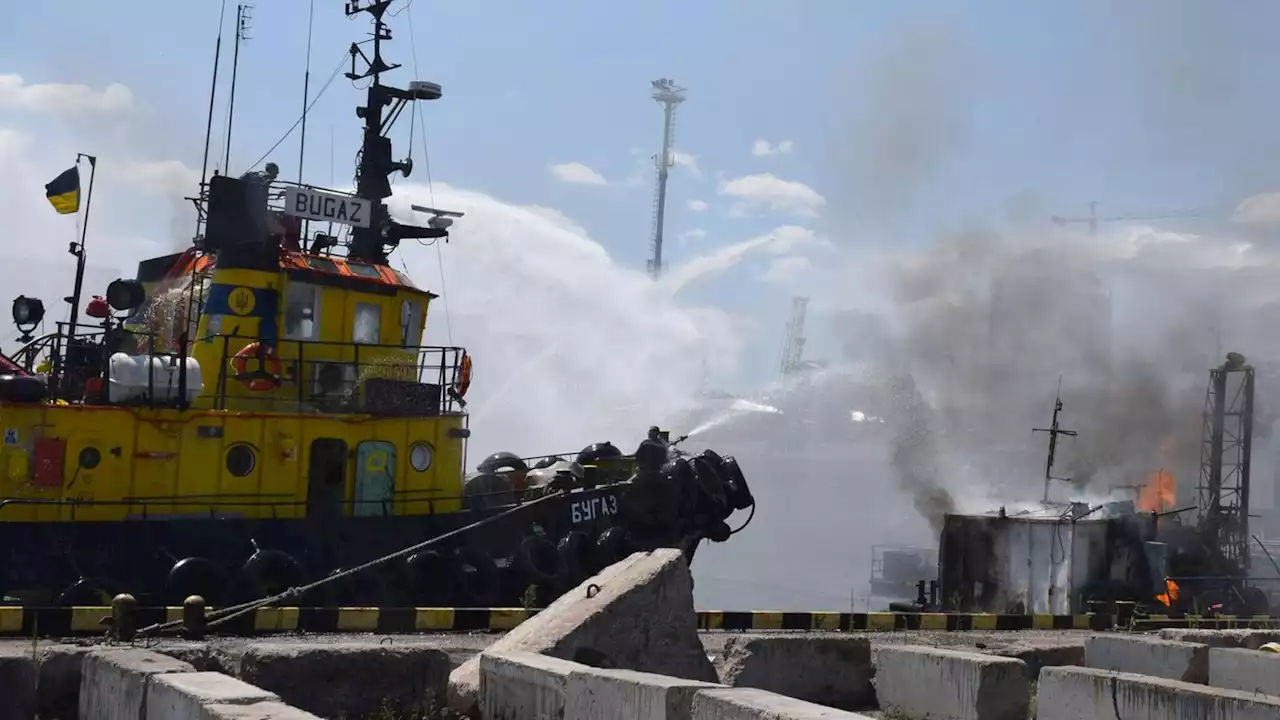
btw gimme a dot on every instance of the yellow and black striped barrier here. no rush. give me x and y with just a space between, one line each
71 621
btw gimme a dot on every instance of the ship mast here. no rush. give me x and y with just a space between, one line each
376 164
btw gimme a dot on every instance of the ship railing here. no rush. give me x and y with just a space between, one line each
412 503
316 377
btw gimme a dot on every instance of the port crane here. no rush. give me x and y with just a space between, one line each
1093 220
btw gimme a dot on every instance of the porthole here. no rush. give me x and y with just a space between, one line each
89 458
241 459
420 456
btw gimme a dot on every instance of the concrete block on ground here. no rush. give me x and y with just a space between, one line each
19 678
58 697
1252 639
592 693
523 686
257 711
349 679
822 668
640 616
114 682
1146 655
185 696
1071 693
1248 670
755 704
1046 654
920 681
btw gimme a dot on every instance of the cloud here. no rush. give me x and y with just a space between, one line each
696 205
785 270
687 161
161 176
762 148
766 190
1261 209
687 236
62 99
578 174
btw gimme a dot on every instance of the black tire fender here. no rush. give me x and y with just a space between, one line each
196 576
712 487
741 492
481 582
540 561
613 545
433 577
271 571
579 555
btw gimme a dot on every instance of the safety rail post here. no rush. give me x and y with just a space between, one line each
300 372
222 376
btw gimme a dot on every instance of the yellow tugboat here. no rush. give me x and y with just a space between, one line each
259 412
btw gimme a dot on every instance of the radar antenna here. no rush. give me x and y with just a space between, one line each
376 163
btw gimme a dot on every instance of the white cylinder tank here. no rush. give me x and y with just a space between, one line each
137 377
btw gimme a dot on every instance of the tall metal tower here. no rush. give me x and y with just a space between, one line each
666 92
793 347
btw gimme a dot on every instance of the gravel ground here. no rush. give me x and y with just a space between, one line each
461 646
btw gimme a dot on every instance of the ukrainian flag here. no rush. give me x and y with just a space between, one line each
64 191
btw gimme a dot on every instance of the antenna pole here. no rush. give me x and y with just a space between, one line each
1054 431
306 90
213 91
78 250
241 27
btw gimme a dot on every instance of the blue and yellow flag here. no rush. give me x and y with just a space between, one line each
64 191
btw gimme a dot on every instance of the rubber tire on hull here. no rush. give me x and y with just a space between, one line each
711 486
579 553
266 573
739 492
613 545
93 592
539 561
433 579
196 576
487 490
481 581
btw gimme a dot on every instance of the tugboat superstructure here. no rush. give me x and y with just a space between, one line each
260 411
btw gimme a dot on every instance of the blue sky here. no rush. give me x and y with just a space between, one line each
907 118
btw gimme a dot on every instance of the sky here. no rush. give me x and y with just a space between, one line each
853 152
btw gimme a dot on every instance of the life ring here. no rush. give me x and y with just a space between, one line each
267 376
463 382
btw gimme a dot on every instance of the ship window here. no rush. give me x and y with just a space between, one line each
368 271
323 265
366 327
241 459
410 319
301 307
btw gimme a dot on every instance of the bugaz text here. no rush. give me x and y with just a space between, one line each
592 508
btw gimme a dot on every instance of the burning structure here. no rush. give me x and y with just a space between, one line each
1057 558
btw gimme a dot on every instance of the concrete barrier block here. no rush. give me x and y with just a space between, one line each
1071 693
350 679
1241 669
592 693
755 704
1146 655
639 616
58 697
184 696
523 686
19 678
919 681
1252 639
269 710
114 683
827 669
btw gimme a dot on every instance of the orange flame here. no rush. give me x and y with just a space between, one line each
1170 594
1160 492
